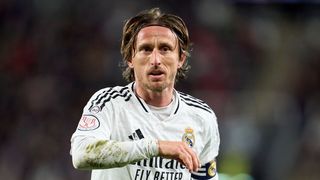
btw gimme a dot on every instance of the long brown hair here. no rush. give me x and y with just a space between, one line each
148 18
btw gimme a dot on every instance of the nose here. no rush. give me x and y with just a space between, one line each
155 58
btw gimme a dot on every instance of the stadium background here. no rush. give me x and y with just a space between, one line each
257 63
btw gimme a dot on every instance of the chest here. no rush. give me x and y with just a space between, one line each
130 125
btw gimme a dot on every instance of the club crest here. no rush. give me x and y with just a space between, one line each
212 170
188 137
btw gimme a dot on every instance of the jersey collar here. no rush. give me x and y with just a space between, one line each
145 106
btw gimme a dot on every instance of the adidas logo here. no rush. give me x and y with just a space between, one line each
136 135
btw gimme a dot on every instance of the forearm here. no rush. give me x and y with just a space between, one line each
102 154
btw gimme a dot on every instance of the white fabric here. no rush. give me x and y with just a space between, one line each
120 138
163 113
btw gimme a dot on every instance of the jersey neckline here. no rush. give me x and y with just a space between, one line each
145 106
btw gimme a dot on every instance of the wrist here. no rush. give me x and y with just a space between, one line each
156 147
152 147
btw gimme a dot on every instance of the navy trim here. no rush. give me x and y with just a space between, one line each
128 98
92 104
177 106
113 97
205 172
191 101
197 106
98 99
109 94
145 109
124 88
105 94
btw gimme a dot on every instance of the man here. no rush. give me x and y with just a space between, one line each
147 129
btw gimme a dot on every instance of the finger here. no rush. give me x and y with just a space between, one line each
186 159
199 162
195 159
195 163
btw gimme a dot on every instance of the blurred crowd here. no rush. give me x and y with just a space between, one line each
257 66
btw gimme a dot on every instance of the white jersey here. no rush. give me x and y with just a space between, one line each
118 115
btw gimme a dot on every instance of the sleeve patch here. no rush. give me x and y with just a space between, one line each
88 123
95 109
206 171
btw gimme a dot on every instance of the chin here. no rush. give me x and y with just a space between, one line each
157 86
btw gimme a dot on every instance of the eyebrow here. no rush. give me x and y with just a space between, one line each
161 44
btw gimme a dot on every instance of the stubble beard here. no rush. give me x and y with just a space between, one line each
158 87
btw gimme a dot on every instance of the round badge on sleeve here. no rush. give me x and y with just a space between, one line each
88 123
212 170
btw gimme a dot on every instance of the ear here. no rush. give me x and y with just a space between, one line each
130 64
182 59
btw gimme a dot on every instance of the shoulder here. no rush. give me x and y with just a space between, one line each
108 95
195 104
200 112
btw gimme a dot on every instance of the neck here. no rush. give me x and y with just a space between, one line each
155 98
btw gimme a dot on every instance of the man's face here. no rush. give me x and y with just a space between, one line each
156 58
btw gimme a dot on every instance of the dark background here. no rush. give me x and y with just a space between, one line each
256 63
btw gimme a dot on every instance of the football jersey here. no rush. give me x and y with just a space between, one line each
118 114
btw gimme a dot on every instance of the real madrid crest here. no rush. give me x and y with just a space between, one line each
188 137
212 170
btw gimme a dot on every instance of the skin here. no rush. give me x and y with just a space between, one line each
155 62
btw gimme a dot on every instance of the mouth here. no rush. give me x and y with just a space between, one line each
156 74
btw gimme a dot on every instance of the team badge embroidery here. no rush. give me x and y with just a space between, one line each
188 137
88 123
212 170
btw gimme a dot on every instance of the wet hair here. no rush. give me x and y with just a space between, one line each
153 17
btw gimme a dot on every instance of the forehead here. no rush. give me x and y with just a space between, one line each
151 32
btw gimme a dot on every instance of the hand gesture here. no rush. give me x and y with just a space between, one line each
181 152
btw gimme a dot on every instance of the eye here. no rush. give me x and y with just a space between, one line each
165 48
145 49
